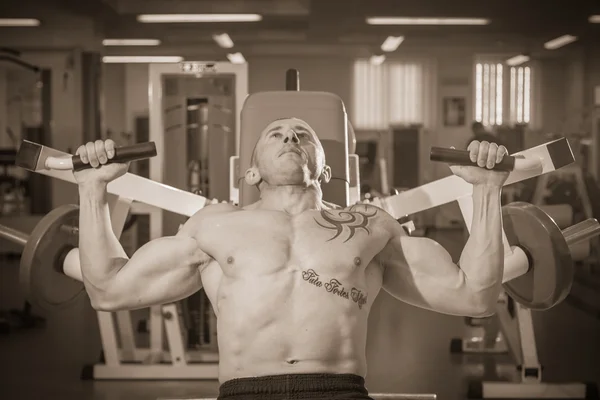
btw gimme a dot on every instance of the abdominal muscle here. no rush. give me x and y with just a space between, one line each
278 323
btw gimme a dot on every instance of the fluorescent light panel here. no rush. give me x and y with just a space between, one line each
391 43
140 59
223 40
426 21
517 60
594 19
174 18
131 42
236 58
17 22
559 42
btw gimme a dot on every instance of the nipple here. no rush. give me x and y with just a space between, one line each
230 260
357 261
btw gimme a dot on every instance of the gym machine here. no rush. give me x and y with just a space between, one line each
511 329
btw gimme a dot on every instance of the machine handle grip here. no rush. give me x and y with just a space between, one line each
461 157
134 152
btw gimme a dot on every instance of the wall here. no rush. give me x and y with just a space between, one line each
67 111
553 92
592 72
114 86
125 88
591 82
4 98
333 74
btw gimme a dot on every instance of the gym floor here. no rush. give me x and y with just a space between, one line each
408 350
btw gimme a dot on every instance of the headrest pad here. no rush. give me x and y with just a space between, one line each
324 112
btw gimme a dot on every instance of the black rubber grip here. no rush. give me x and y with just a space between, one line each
292 80
135 152
461 157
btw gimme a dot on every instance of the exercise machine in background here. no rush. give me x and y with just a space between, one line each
193 110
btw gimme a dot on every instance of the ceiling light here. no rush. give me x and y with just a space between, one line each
199 67
19 22
517 60
223 40
140 59
594 19
131 42
169 18
391 43
377 60
236 58
426 21
559 42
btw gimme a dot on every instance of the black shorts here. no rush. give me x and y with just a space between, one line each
297 386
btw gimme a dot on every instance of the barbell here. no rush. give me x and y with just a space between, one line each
538 274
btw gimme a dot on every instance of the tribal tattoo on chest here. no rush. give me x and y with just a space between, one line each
350 221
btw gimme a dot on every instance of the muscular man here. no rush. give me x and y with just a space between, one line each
292 278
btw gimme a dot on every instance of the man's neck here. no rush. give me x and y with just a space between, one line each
292 199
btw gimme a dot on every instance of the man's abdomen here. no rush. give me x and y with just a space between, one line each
280 323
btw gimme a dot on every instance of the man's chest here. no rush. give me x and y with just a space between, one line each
311 239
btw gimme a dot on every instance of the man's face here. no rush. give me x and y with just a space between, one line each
289 152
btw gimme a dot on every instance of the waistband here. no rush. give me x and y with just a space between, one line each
290 384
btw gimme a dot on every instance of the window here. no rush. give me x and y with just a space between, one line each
520 95
488 93
492 107
388 93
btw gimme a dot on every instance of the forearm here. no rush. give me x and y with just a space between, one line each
482 260
100 253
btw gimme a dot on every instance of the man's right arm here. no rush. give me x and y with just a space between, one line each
162 271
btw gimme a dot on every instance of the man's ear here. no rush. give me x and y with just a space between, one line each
325 174
252 176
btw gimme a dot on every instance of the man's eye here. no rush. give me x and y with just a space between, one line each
277 135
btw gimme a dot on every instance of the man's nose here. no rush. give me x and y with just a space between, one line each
291 135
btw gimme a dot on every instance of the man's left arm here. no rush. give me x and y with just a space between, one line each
421 272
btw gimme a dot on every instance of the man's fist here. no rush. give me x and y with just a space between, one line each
486 155
97 154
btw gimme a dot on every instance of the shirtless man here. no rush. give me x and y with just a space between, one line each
292 278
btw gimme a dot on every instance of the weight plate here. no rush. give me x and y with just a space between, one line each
41 278
550 277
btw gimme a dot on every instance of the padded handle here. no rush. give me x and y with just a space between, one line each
461 157
135 152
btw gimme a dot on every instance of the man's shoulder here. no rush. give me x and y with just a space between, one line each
215 209
368 208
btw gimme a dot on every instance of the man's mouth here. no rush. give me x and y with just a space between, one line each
291 150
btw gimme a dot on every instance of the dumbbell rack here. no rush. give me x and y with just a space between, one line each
516 335
122 359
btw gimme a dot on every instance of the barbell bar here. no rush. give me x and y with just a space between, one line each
538 274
